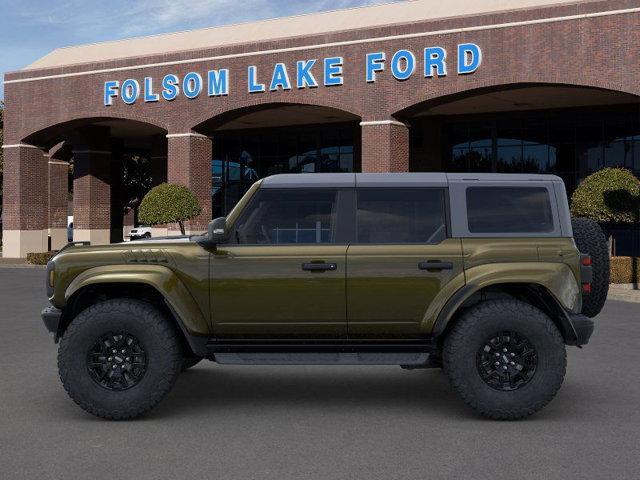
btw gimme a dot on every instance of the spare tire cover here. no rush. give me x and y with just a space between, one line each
590 239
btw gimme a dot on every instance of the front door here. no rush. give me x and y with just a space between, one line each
401 259
283 272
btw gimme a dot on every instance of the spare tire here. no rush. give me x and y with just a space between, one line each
590 239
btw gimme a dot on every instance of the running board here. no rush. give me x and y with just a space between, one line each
406 359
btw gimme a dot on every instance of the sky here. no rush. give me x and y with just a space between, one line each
29 29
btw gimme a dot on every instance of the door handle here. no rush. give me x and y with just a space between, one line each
435 266
319 267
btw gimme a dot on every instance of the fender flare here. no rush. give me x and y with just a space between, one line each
551 306
177 297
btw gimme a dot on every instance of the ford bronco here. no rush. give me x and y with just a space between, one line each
483 275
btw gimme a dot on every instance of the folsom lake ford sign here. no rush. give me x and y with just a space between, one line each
309 73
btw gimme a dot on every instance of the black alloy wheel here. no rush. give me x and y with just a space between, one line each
507 361
117 361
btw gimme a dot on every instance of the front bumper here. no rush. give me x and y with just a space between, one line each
583 328
51 317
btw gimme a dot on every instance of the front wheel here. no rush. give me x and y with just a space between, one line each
505 358
119 358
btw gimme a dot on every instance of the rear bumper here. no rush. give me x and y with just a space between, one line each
51 317
583 327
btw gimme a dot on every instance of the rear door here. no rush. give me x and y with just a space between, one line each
402 257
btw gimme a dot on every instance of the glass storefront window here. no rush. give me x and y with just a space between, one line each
243 157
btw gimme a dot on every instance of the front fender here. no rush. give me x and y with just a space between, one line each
556 278
160 278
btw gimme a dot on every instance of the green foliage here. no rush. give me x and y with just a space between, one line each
40 258
611 195
136 179
168 203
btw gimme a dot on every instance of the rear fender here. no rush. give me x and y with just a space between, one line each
555 278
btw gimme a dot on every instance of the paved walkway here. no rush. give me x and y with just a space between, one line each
625 292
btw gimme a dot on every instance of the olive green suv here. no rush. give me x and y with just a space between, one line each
482 275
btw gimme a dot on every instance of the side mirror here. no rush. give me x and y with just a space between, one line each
217 230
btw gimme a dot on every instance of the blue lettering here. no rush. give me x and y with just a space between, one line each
333 71
304 77
280 78
254 87
192 84
434 58
469 58
375 63
130 91
110 92
218 82
149 96
403 64
170 87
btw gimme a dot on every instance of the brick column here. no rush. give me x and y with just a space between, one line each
25 200
385 146
189 164
158 160
58 191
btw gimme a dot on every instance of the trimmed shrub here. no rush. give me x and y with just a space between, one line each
624 271
41 258
168 203
611 195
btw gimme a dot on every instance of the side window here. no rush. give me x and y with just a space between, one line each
509 210
288 216
401 215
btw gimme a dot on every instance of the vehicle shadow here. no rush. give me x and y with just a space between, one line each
237 388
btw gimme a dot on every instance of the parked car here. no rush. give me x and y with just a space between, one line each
70 228
143 231
476 273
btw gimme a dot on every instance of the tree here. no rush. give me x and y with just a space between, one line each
610 195
169 203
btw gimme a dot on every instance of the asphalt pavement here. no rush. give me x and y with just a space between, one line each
369 422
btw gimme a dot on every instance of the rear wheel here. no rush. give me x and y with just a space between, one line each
119 358
505 358
590 239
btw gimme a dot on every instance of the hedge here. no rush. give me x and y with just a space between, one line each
611 195
622 270
40 258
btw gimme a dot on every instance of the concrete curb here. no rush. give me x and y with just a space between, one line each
625 292
21 265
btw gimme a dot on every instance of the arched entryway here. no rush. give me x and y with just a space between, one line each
565 130
258 141
93 171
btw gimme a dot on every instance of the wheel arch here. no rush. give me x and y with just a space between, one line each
154 284
536 294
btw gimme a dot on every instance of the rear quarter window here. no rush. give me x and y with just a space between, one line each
509 210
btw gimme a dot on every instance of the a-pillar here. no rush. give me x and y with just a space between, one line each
189 164
25 202
92 186
58 192
385 146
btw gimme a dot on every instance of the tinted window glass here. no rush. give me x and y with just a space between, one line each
509 210
401 215
288 216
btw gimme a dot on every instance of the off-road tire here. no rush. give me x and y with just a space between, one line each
162 349
188 362
470 333
590 239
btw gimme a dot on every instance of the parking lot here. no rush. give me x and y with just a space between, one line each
235 422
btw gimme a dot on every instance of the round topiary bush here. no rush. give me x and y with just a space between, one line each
611 195
169 203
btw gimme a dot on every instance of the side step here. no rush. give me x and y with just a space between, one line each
408 354
323 358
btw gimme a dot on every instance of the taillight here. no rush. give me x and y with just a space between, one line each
586 288
586 260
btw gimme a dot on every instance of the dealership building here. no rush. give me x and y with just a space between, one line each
545 86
